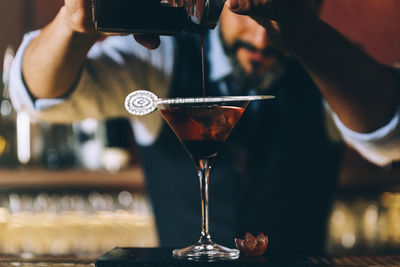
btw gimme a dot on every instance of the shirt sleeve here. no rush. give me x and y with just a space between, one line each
381 147
113 68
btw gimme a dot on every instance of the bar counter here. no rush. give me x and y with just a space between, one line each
29 260
35 177
159 257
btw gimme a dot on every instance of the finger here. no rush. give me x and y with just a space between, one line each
79 15
150 41
249 7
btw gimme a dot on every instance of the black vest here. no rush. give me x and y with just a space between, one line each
276 173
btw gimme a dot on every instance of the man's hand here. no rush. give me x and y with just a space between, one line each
77 15
363 93
61 48
279 10
287 22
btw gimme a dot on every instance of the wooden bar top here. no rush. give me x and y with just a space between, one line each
28 178
132 257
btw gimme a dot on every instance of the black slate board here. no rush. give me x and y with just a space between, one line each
162 257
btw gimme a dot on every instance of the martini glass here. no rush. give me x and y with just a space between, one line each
202 125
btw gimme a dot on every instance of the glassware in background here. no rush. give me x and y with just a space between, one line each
8 134
365 224
105 145
89 144
58 146
74 223
89 138
121 146
15 127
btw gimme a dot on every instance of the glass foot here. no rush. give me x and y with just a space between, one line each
208 252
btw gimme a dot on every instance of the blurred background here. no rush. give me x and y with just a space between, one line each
76 189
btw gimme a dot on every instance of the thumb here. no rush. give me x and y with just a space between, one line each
150 41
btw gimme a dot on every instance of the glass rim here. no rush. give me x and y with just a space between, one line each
211 99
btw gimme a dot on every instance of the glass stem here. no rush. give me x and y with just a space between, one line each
203 170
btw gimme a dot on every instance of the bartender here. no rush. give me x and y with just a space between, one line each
278 170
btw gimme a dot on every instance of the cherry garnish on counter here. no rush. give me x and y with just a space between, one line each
252 246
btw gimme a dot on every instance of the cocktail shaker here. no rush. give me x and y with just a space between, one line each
164 17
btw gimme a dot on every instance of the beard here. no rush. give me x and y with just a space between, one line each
256 79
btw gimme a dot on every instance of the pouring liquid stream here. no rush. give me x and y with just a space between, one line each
203 66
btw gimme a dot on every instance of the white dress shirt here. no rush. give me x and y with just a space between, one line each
118 65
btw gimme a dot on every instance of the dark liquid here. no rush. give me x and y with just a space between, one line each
203 149
202 129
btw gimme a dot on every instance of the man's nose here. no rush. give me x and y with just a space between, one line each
260 37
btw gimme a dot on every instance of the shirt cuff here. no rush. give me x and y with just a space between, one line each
381 146
45 103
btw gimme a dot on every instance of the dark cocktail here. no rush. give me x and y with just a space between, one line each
202 125
201 128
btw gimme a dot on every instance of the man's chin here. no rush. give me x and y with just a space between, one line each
259 76
266 66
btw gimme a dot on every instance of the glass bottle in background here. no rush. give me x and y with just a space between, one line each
120 150
58 146
104 145
89 139
25 143
8 116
